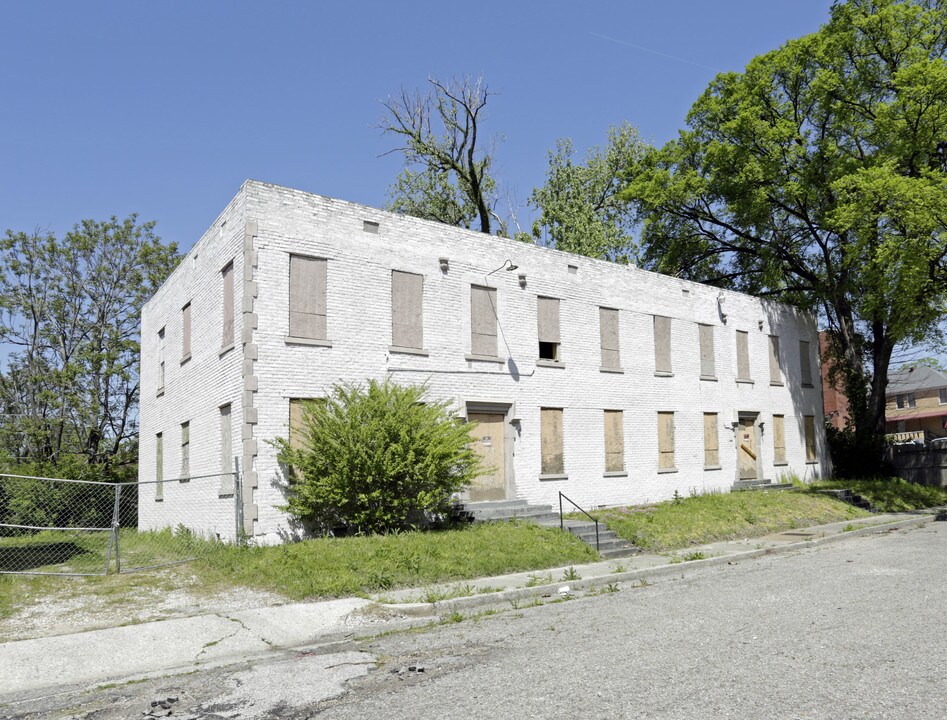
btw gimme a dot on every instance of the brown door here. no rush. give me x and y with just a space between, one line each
488 443
746 449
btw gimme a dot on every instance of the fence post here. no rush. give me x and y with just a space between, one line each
116 523
238 499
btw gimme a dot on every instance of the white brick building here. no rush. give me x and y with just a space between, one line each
612 384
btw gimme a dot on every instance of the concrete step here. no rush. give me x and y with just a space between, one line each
492 504
628 551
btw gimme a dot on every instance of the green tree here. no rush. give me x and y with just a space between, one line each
446 176
378 458
818 176
580 208
70 309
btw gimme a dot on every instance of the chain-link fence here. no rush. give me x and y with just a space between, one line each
79 527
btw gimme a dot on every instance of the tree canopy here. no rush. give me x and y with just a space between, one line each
818 176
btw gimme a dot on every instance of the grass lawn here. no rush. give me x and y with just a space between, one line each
702 519
891 494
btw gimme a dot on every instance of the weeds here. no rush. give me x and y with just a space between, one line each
570 574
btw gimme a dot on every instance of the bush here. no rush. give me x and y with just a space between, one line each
378 459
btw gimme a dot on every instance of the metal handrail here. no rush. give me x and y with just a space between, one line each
562 523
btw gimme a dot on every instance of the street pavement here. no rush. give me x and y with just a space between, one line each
848 629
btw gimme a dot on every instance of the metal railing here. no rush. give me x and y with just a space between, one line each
562 522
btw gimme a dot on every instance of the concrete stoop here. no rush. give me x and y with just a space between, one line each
759 485
847 496
609 544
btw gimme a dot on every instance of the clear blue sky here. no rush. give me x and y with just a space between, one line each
164 108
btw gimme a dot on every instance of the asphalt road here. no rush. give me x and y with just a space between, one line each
854 629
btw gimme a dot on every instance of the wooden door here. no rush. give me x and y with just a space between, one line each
746 449
488 443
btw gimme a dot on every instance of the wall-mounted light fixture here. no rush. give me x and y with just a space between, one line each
720 301
445 266
508 266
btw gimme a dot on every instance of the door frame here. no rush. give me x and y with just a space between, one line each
757 442
508 410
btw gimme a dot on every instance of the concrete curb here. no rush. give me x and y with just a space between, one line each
484 601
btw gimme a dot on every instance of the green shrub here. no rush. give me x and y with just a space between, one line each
376 458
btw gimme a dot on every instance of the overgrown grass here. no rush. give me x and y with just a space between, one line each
335 567
702 519
890 494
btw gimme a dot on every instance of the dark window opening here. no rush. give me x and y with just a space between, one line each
548 350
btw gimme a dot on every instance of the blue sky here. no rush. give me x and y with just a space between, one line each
164 108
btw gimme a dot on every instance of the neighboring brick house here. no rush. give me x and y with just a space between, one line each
609 383
916 401
834 399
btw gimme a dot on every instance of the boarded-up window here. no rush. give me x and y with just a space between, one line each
297 416
662 344
775 373
805 363
548 320
711 441
553 462
614 441
185 449
307 297
779 439
665 440
407 327
809 424
227 273
159 467
608 331
186 332
705 337
743 356
226 451
483 321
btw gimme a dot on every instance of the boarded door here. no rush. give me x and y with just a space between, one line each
488 443
746 449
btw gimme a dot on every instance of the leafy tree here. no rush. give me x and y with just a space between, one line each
378 458
818 176
580 208
70 309
446 175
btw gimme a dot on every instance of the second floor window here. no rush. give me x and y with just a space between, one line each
548 321
307 297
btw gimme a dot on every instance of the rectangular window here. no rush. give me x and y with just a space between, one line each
912 400
809 423
711 441
779 439
161 361
899 401
186 332
662 345
227 274
226 451
775 371
608 333
548 320
943 396
805 364
297 415
307 298
743 356
614 441
407 327
553 462
185 449
483 321
665 441
705 337
159 467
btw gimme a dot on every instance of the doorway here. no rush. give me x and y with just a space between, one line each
747 448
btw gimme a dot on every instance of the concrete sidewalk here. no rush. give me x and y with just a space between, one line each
33 668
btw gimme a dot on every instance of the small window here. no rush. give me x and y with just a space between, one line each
705 338
185 449
159 467
608 336
943 396
553 461
548 321
662 345
743 357
161 361
779 439
297 416
407 325
614 441
775 371
899 401
912 400
805 364
186 332
307 298
227 273
711 441
226 451
483 321
665 441
809 423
